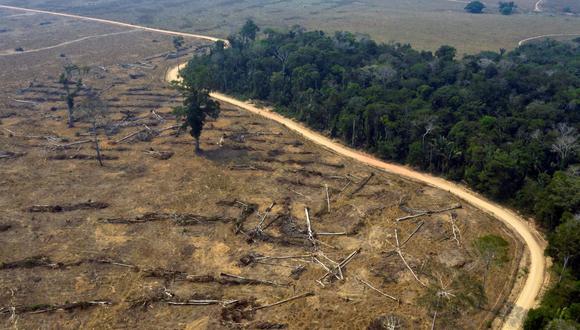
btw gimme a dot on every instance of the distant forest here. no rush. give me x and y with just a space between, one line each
506 123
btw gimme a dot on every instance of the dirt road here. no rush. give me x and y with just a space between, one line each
62 44
537 268
536 246
523 41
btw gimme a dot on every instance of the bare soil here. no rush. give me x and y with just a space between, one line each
177 239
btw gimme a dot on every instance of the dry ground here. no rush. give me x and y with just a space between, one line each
259 163
425 24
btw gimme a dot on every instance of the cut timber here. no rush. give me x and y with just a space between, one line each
300 296
46 308
161 155
428 212
89 205
235 279
32 262
338 268
180 219
70 145
362 184
455 229
10 155
309 227
327 197
377 290
206 302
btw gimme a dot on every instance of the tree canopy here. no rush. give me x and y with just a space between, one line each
475 7
506 123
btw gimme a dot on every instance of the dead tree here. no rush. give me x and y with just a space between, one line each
566 142
72 82
95 111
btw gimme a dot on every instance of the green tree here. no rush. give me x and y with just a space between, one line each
475 7
565 245
249 31
507 8
71 80
197 106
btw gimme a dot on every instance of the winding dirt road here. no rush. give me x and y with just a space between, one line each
537 268
523 41
535 244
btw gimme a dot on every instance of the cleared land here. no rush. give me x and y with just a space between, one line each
82 246
426 24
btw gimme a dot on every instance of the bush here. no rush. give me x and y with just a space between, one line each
475 7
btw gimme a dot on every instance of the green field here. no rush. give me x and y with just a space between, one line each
426 24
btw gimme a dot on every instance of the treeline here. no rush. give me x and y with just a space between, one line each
505 123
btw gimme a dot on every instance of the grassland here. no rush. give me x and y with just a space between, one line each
260 162
426 24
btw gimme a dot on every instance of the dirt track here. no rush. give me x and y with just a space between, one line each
523 41
536 246
537 269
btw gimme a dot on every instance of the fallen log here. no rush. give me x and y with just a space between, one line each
180 219
89 205
362 184
338 269
428 212
46 308
10 155
161 155
81 157
32 262
300 296
375 289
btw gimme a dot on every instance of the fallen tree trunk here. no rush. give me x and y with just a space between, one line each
46 308
362 184
428 212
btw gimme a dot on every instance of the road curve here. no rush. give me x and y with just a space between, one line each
109 22
535 280
523 41
537 269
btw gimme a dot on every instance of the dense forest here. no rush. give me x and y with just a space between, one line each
505 123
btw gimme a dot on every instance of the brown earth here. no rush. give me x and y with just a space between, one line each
260 162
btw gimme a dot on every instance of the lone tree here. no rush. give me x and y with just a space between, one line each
197 106
475 7
94 110
507 8
72 82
